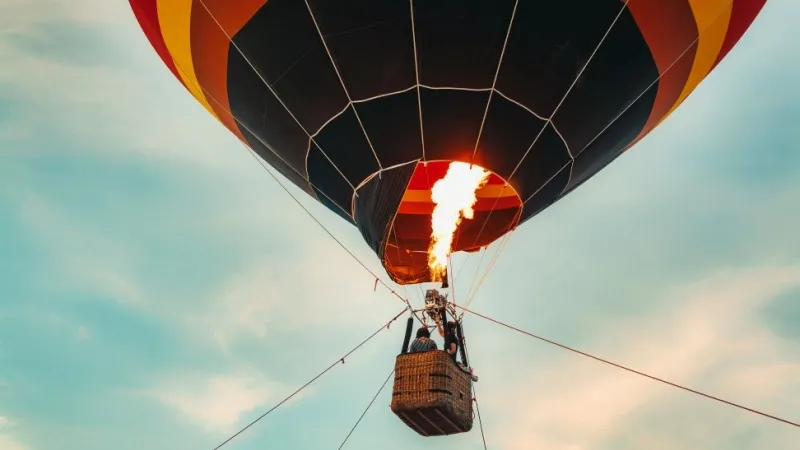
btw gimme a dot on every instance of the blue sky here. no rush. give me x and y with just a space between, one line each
159 290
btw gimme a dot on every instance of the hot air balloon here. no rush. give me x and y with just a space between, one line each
364 104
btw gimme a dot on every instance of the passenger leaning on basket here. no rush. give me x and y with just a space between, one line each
451 347
423 342
450 340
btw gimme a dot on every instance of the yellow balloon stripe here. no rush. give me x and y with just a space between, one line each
175 18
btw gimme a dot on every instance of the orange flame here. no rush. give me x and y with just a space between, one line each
454 196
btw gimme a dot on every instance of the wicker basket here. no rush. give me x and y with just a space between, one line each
431 394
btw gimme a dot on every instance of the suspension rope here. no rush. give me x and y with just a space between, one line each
340 360
474 393
452 275
634 371
478 414
480 262
329 233
274 177
472 293
400 258
375 397
501 247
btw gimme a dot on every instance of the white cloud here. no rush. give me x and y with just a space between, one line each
217 403
97 106
17 12
8 443
83 333
287 291
294 295
709 339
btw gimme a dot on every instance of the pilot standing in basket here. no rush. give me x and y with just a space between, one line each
451 347
450 340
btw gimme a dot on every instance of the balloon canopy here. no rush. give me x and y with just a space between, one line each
364 103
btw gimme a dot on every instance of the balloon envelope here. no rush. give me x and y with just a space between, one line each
363 103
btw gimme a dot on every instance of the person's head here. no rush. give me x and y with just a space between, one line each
451 326
423 332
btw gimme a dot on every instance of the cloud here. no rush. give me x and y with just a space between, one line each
219 402
46 11
63 73
7 441
83 333
294 294
708 338
277 281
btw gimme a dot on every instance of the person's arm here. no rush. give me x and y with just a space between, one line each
441 330
452 348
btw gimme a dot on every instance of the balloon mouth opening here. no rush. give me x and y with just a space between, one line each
496 211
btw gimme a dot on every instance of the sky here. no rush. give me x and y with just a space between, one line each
159 290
